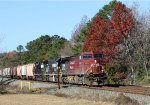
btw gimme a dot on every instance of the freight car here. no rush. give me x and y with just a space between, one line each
29 74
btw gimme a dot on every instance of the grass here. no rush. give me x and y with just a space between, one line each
125 100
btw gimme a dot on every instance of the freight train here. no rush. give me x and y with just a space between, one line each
86 68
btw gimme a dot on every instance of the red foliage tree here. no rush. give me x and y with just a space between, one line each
122 21
120 26
105 35
96 33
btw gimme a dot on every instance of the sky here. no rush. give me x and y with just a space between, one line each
22 21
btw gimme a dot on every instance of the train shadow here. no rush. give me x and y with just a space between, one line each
109 85
114 85
6 81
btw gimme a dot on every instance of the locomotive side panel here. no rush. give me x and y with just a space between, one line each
74 65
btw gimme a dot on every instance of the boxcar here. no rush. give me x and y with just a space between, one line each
8 72
1 72
19 72
29 74
14 72
23 71
4 72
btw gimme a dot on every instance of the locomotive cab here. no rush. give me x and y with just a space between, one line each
92 62
93 68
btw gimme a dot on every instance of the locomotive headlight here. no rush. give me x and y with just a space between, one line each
95 61
42 65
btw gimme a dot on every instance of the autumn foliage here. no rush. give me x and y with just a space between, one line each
104 35
96 33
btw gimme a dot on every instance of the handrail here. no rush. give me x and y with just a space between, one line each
90 68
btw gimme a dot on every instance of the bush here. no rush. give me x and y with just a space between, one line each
145 81
116 73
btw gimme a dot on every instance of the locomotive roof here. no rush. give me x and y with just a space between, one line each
92 52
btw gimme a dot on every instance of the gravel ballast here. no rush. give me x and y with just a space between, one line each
85 92
101 93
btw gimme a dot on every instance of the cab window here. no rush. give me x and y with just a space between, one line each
98 56
87 56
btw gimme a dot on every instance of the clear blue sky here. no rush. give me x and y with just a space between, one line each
22 21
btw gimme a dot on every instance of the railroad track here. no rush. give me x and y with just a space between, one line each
116 88
124 89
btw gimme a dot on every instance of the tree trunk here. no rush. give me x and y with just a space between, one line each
146 70
132 76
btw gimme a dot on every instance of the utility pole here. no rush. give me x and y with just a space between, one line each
58 77
44 73
58 71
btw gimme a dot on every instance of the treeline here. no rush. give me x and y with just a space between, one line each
42 48
116 30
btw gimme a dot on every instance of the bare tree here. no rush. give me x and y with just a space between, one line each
78 28
66 50
79 34
135 52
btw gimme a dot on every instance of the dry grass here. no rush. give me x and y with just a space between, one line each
39 90
124 100
37 99
120 100
61 95
15 89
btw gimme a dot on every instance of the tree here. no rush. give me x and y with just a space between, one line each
20 48
120 26
106 11
66 50
40 49
44 47
96 34
79 34
82 32
135 53
8 60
